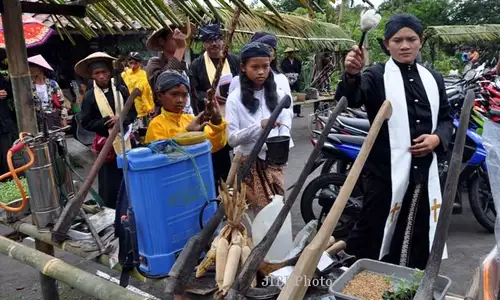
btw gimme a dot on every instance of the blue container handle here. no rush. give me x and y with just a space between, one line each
202 210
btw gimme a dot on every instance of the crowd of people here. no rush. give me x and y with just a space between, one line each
400 186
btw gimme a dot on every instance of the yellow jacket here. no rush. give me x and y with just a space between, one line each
139 79
168 124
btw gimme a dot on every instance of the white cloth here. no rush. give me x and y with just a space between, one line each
400 141
245 128
43 94
281 84
187 108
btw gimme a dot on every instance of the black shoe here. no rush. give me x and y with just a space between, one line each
457 208
299 116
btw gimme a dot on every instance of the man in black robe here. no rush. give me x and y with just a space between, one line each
398 217
7 124
292 67
98 66
202 69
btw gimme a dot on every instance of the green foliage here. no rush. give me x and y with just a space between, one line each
472 12
291 6
405 290
9 191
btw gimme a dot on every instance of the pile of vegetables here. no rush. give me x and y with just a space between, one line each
405 290
231 247
10 192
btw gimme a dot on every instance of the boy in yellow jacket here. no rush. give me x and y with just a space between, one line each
135 77
173 89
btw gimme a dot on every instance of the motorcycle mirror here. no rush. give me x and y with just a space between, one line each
469 75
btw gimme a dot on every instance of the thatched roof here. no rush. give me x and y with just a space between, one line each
457 34
120 16
292 31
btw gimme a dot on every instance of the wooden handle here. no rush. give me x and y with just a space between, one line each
235 164
295 287
336 248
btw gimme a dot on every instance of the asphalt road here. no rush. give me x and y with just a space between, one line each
468 242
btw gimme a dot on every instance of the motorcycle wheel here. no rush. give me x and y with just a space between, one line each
341 166
481 201
327 186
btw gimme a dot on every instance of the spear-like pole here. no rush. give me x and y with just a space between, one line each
225 52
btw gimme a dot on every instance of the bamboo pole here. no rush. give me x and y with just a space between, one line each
23 101
55 268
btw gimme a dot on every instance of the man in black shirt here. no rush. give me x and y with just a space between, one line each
292 67
7 124
402 194
202 70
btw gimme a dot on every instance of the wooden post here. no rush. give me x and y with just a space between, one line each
86 282
18 66
23 100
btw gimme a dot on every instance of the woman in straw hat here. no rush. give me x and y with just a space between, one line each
99 115
46 92
171 42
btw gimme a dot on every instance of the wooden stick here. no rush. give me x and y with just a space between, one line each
336 248
252 264
188 259
225 53
72 208
426 288
296 287
74 277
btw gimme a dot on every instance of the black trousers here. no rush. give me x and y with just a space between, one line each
366 237
5 145
110 179
297 109
221 163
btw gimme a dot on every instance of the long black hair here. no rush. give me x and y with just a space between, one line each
247 92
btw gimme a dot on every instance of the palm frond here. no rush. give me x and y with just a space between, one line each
292 31
457 34
115 16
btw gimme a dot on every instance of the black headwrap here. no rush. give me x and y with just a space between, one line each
170 79
254 50
399 21
101 64
210 32
265 38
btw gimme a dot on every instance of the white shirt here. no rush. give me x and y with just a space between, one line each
280 80
43 94
244 128
281 83
187 108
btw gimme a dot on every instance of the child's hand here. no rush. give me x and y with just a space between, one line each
214 111
198 123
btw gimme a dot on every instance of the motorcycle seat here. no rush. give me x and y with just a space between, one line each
495 112
358 113
346 139
361 124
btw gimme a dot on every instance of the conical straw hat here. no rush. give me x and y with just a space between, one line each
40 61
153 42
82 67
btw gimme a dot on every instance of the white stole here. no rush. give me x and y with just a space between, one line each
105 110
400 141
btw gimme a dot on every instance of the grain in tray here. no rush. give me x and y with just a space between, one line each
367 286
